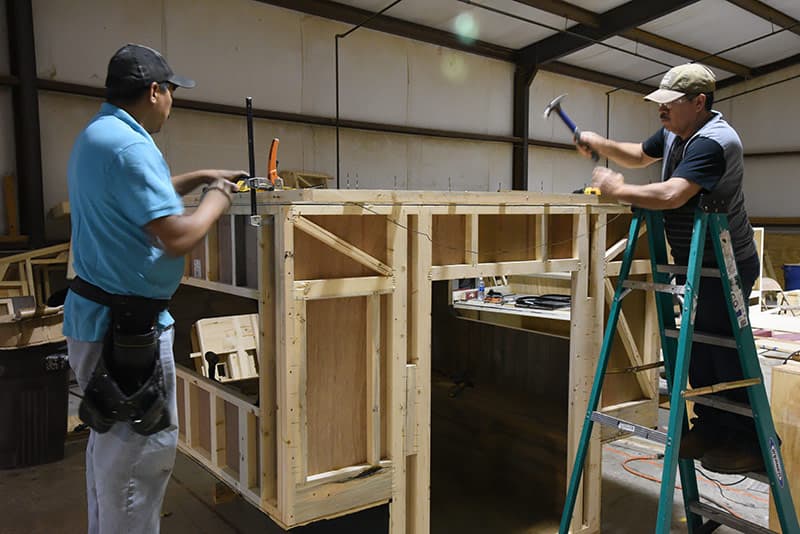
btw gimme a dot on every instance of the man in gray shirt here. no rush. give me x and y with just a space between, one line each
700 153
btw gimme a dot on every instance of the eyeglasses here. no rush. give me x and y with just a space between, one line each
681 100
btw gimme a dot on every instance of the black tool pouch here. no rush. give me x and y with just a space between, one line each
128 384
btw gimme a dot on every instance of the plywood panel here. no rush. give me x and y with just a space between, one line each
448 239
785 402
336 383
506 238
314 260
232 438
560 236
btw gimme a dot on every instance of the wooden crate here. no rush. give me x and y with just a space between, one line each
785 403
234 339
344 283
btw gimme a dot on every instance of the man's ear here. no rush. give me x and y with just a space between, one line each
152 95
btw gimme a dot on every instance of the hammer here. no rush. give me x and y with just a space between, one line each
555 105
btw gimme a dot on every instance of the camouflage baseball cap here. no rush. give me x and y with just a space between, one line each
688 79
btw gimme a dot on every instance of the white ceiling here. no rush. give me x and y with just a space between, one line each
713 26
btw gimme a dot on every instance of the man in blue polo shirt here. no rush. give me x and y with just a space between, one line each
129 236
700 152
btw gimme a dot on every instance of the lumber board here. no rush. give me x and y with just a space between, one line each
785 404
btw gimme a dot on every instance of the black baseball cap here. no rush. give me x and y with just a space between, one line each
135 66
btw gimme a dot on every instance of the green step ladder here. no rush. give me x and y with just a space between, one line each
676 349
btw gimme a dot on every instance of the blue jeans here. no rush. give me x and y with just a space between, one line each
127 473
712 364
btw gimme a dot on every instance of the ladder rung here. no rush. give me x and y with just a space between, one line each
653 286
682 269
721 403
708 339
632 428
722 386
724 518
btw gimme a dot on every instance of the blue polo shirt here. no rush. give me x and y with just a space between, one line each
118 182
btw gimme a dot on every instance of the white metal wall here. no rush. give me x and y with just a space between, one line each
767 121
285 61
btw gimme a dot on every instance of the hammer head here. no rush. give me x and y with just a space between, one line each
554 104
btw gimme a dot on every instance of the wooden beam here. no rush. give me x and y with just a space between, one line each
340 245
680 49
343 287
373 364
572 71
612 22
387 24
564 9
766 12
592 19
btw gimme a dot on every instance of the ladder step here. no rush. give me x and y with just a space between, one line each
721 403
708 339
724 518
627 426
682 269
653 286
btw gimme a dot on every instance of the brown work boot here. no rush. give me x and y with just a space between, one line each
699 439
735 454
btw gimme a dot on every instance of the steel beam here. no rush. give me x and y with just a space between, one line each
523 77
25 102
769 13
612 22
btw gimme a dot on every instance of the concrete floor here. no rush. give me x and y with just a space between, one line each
51 498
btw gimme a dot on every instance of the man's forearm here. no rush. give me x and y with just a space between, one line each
656 196
185 183
628 155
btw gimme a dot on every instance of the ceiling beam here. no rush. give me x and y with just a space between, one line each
564 9
572 71
762 71
386 24
769 13
410 30
680 49
590 18
612 22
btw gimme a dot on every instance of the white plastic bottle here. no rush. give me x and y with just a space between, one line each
481 289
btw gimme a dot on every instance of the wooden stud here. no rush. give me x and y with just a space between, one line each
248 474
268 310
373 379
218 426
397 239
419 391
287 370
471 243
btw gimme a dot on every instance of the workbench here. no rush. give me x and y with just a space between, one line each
343 282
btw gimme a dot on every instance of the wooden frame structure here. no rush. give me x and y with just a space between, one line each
342 417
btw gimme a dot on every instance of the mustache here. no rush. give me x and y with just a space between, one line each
663 116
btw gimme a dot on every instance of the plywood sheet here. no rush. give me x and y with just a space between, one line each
785 402
336 383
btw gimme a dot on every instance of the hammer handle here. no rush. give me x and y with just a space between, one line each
577 134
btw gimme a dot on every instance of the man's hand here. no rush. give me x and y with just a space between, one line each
607 181
185 183
213 175
589 141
